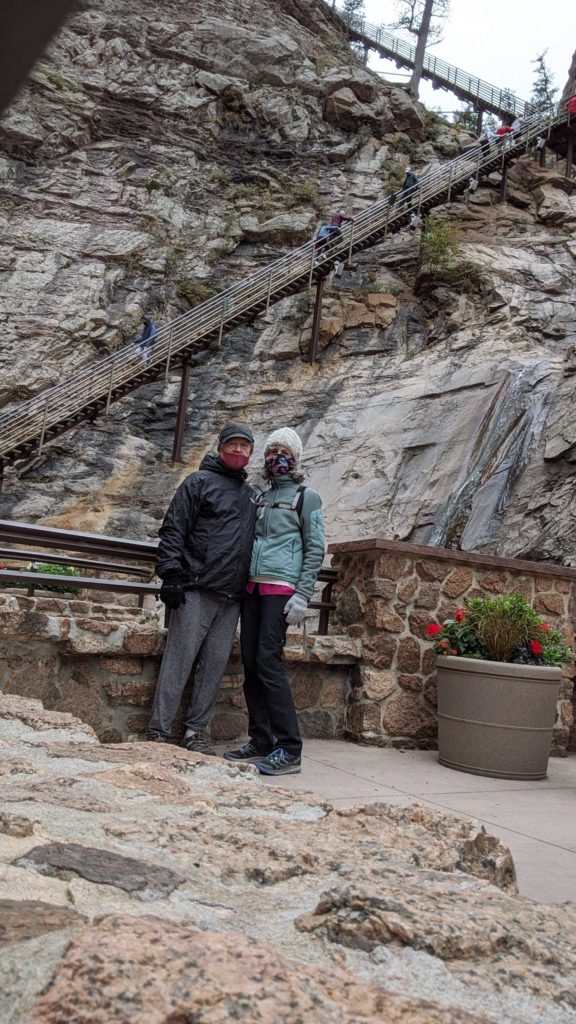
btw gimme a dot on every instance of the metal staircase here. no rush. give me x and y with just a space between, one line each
89 393
442 75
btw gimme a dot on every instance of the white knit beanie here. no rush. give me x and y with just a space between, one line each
288 438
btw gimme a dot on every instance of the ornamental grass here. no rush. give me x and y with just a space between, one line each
500 629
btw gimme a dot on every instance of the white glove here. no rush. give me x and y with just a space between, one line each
295 609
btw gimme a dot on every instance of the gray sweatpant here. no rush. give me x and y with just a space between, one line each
202 628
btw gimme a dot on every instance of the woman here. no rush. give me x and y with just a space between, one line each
287 554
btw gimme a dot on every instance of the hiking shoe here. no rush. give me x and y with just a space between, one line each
156 737
247 752
195 741
279 762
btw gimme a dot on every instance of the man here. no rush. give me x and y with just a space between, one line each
408 185
145 342
332 232
486 140
203 561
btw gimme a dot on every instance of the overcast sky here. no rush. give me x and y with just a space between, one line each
496 40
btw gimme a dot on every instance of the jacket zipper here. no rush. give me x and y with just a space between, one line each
266 517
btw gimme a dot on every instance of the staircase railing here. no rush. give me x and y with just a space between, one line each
95 387
499 101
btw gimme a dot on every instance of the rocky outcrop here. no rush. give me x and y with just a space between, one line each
149 881
151 161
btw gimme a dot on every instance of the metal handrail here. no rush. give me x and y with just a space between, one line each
500 101
100 544
295 271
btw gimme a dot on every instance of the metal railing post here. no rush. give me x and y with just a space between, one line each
43 434
221 325
110 383
351 242
316 322
311 275
269 291
449 184
169 355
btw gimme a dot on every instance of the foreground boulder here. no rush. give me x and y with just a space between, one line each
145 883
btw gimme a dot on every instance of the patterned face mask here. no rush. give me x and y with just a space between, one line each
279 464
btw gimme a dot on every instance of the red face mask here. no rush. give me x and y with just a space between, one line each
234 460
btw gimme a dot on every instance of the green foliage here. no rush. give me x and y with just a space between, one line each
306 191
221 175
194 290
433 124
321 62
465 118
439 246
441 263
365 130
407 146
411 16
353 11
543 98
248 190
51 569
503 629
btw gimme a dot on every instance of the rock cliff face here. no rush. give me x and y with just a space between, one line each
155 885
157 156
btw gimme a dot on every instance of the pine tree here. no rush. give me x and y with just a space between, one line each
353 11
466 118
542 100
417 17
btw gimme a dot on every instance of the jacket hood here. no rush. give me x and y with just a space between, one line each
214 464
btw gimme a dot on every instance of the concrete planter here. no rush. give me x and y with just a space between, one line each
495 718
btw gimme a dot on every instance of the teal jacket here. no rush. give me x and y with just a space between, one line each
285 551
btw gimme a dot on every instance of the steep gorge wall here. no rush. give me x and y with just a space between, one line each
157 156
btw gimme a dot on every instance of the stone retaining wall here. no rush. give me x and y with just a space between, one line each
100 662
386 595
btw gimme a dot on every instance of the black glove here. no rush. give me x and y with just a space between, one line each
172 591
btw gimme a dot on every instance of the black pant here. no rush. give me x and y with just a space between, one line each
272 715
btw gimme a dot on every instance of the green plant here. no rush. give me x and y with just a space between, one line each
194 290
306 191
503 628
221 175
406 145
439 245
50 569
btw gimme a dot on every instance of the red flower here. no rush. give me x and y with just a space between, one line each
444 643
545 626
535 647
453 651
460 614
433 629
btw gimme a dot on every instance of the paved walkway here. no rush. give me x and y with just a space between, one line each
537 820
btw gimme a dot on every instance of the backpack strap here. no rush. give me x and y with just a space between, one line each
298 503
295 505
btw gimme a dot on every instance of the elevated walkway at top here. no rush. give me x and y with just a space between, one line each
465 86
26 428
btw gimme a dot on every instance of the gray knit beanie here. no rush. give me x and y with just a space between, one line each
289 439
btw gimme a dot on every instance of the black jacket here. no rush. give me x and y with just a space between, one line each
208 530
